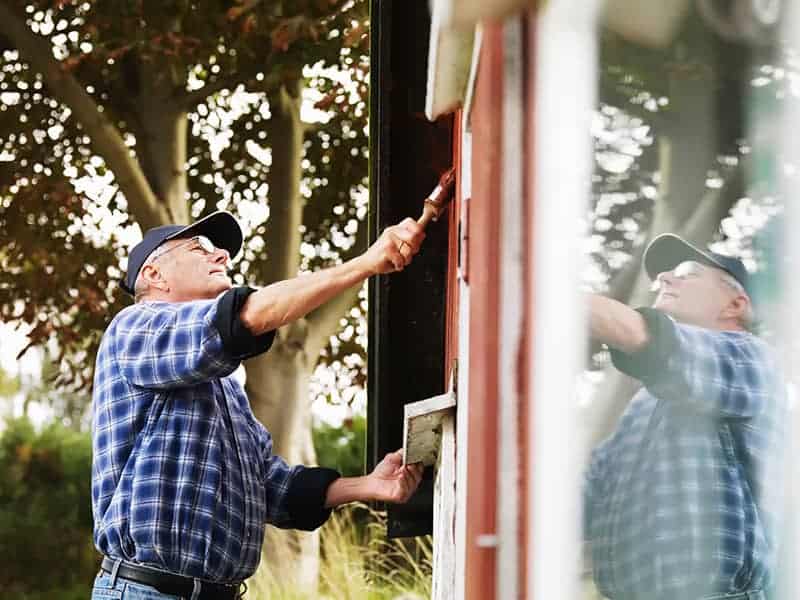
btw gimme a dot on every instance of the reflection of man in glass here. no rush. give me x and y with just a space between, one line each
677 500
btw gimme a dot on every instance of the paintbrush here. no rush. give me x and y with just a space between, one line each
436 202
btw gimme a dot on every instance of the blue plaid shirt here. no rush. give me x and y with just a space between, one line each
680 501
183 475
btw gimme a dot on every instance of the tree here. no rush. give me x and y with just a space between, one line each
673 153
177 109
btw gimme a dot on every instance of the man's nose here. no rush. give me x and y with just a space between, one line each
221 256
666 277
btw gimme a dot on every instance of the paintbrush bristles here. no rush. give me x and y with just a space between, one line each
436 202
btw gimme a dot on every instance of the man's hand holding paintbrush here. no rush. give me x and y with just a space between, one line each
404 233
398 244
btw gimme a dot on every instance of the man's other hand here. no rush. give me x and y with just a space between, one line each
391 481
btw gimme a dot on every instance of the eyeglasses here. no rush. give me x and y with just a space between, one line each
688 269
206 245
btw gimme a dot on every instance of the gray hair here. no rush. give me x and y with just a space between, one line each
141 288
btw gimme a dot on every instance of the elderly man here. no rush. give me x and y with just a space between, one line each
183 476
678 501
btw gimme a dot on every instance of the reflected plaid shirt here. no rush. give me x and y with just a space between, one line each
183 475
680 501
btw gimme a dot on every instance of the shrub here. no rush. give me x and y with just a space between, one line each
342 448
45 513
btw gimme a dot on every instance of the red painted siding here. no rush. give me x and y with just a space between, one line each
484 270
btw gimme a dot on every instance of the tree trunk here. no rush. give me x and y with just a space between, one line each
161 139
277 386
277 382
285 138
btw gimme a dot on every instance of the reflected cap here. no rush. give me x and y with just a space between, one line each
668 250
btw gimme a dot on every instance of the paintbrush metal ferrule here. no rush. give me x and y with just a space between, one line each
436 202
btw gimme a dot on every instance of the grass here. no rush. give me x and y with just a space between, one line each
357 562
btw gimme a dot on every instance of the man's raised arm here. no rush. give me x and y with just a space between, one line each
285 301
616 324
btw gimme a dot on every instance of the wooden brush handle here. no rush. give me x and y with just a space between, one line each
436 203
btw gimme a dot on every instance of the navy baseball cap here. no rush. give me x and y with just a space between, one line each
668 250
220 227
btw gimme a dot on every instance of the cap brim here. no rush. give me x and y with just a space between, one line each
220 227
667 251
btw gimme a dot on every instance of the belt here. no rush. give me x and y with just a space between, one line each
171 584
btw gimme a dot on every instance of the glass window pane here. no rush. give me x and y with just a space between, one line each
688 405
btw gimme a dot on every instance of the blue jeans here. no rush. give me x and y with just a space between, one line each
125 589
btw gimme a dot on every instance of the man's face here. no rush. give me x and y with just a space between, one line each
193 269
694 293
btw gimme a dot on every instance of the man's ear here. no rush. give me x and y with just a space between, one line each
154 278
737 308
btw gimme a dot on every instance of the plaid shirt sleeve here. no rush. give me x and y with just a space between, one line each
727 373
162 345
294 495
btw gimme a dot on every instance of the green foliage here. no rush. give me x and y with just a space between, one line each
9 385
45 519
342 448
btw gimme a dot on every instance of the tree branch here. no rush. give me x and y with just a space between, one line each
714 206
237 11
106 139
324 322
